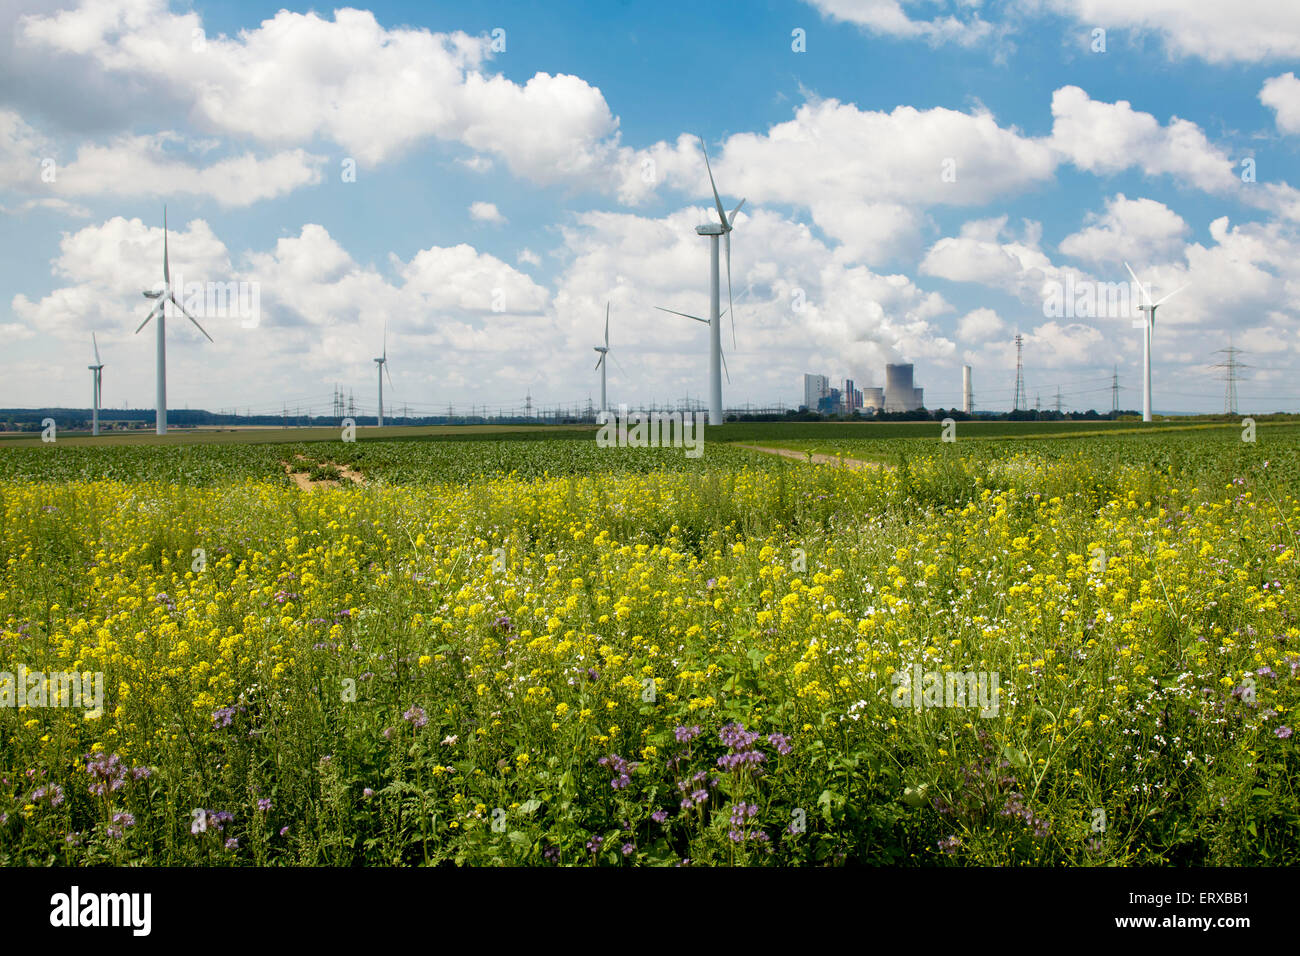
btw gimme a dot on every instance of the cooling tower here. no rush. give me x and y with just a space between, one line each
873 398
899 395
918 398
967 396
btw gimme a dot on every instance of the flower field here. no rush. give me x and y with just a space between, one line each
545 653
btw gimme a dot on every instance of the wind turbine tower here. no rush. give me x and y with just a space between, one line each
1148 325
721 229
164 296
98 379
382 368
601 363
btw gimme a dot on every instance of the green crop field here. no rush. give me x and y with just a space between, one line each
1038 644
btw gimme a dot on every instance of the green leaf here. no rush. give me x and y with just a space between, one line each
915 796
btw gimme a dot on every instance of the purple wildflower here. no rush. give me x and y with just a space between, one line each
621 769
107 773
781 742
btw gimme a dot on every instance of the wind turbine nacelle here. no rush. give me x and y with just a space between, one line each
152 293
709 229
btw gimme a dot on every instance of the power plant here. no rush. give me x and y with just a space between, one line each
815 389
898 395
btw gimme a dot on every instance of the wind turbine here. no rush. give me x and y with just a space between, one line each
600 362
722 228
98 378
1148 325
164 296
382 369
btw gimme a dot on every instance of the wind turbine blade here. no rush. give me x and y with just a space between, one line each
606 325
1172 294
618 364
385 342
717 200
732 218
683 314
389 374
151 314
598 361
723 355
172 296
95 341
167 272
731 306
1141 287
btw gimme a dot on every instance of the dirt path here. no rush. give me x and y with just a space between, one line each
817 459
304 482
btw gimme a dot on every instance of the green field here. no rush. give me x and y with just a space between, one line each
515 647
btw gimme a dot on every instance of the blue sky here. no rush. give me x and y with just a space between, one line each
1065 161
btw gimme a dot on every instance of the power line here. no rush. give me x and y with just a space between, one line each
1020 375
1230 367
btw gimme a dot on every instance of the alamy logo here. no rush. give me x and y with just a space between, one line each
102 909
1088 299
916 689
652 430
58 689
221 300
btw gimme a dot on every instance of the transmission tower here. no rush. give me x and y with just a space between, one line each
1230 368
1058 399
1020 401
1114 391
